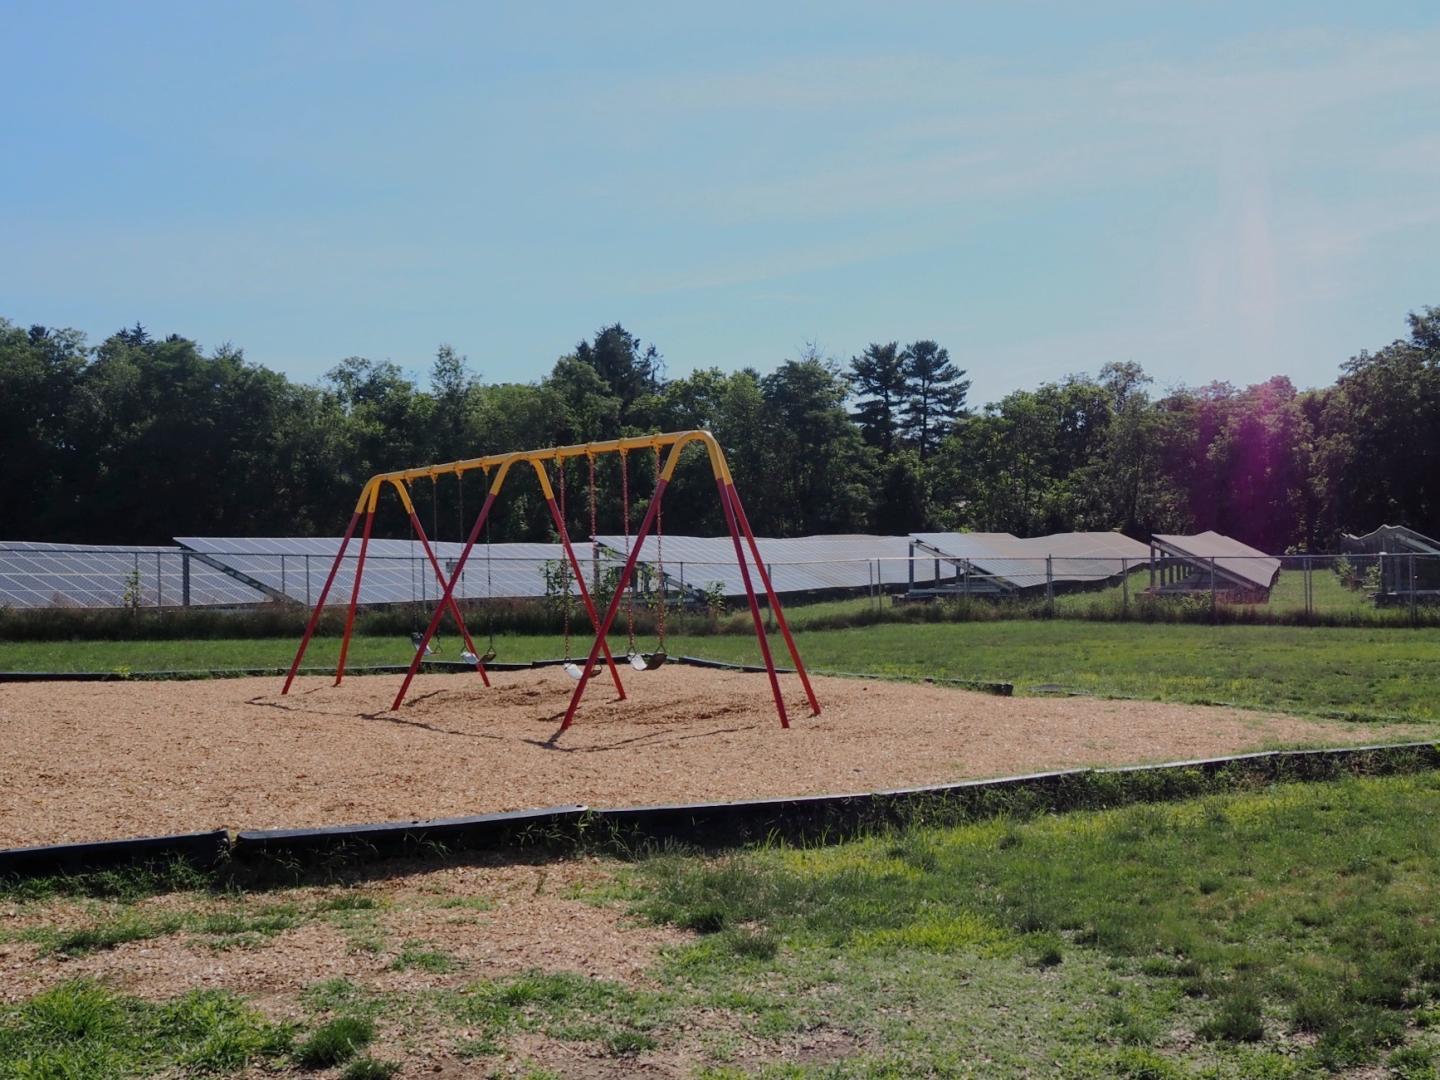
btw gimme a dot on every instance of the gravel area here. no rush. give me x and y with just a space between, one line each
86 761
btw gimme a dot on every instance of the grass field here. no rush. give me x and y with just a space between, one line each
1284 932
1391 673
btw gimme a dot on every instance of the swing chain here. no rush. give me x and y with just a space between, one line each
489 590
564 563
625 513
660 547
594 530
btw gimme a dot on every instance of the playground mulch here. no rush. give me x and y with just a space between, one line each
88 761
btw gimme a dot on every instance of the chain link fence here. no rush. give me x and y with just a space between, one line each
1381 588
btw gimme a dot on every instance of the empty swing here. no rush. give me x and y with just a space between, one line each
489 654
417 636
640 661
574 670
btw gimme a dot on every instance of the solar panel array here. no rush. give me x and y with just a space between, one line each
799 564
396 571
34 575
1011 562
1241 562
230 571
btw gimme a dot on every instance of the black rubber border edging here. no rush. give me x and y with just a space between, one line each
455 667
519 828
724 825
202 850
429 667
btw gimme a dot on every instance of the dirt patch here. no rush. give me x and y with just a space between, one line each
86 761
485 921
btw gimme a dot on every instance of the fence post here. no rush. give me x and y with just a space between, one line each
1414 609
307 582
1050 584
1125 586
159 583
185 579
1212 588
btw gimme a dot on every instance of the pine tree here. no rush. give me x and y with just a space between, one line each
878 378
936 395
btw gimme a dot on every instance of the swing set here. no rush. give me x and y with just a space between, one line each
542 460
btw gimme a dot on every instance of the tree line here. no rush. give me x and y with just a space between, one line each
140 439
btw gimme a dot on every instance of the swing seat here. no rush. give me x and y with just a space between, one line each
468 657
575 671
647 661
415 640
488 656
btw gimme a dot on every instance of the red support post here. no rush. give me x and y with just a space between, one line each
355 589
447 598
754 603
454 604
774 600
584 592
614 607
320 604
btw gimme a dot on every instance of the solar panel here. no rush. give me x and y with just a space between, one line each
1240 561
396 571
1014 562
798 564
1390 539
34 575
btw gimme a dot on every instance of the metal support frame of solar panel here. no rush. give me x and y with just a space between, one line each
804 564
396 571
35 575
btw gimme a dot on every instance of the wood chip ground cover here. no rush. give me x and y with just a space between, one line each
92 761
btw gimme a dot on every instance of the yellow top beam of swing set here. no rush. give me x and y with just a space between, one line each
675 440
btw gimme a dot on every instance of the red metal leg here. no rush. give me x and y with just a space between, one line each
754 603
614 607
320 604
447 599
585 593
354 594
454 604
774 600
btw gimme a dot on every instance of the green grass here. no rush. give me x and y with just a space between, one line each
1347 672
1334 671
1275 933
237 921
1281 932
335 1042
81 1030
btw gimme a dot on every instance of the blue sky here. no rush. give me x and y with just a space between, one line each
1217 191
